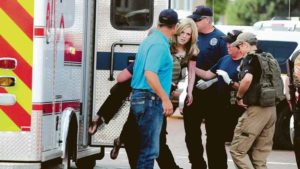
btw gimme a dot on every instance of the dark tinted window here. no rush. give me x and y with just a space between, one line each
132 14
280 50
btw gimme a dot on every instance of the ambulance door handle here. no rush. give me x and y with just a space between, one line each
48 35
57 122
112 53
58 96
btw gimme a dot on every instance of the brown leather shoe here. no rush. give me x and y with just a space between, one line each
115 150
95 123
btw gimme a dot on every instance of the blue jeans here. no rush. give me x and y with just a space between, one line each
147 110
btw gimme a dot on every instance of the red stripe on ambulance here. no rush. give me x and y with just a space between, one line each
39 31
47 107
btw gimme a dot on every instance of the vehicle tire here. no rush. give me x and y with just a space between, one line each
86 163
282 139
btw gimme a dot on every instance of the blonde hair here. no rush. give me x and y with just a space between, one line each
191 47
296 74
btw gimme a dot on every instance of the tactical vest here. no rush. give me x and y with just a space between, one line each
268 90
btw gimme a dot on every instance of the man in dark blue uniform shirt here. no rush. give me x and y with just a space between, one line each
212 47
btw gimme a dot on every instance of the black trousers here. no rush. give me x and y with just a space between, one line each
204 108
118 93
129 137
297 136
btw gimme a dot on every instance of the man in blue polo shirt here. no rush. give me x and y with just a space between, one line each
151 85
212 47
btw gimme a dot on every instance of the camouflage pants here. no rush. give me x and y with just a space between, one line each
253 138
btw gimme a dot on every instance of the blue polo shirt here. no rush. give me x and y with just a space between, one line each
153 55
212 47
231 67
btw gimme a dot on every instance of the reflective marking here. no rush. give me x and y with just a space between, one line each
16 37
23 69
27 5
22 18
22 92
6 124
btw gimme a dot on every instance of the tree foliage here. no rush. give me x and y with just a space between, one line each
247 12
218 6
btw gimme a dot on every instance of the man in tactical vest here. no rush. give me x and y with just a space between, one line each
254 132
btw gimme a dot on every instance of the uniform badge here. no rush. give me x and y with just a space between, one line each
213 41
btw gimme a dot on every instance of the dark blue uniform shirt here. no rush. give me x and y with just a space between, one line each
231 67
212 47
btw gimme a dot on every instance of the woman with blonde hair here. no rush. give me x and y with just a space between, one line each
184 50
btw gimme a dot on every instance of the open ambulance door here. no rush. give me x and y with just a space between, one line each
121 25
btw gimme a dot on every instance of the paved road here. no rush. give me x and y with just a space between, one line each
277 159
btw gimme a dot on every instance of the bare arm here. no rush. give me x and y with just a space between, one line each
124 76
154 83
235 85
191 81
206 75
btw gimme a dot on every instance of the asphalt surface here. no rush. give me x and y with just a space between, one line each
276 160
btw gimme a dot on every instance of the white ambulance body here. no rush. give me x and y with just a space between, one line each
58 59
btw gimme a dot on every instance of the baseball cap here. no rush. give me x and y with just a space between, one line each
200 12
245 37
232 35
168 17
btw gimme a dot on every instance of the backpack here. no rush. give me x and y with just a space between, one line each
269 90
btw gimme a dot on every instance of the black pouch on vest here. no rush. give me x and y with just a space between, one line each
267 97
252 95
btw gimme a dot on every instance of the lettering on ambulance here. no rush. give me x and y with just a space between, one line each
48 17
72 56
63 35
69 49
49 20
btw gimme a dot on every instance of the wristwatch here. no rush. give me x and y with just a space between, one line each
238 98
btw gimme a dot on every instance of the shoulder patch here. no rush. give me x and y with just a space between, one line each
213 41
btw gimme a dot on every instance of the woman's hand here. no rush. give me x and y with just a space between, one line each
189 99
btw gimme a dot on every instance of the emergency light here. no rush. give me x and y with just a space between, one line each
6 81
7 99
8 63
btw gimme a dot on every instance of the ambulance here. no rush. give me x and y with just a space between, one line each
58 60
